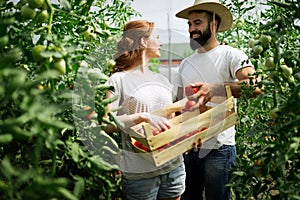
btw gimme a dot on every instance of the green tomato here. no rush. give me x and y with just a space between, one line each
240 23
27 12
44 6
273 113
265 40
35 3
287 71
252 42
269 63
257 49
60 65
36 53
42 16
89 33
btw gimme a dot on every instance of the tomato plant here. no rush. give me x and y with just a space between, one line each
47 150
268 131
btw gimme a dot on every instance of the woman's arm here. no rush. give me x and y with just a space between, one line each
160 123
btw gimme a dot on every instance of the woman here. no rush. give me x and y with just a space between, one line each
140 92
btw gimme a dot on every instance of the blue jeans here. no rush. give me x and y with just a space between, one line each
165 186
209 174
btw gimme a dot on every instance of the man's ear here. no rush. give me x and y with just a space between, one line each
144 42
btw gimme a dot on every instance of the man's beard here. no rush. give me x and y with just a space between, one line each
198 42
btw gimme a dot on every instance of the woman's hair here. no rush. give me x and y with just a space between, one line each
130 47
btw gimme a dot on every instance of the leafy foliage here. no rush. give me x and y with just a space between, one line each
268 133
51 145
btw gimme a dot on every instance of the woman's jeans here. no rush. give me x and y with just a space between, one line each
209 175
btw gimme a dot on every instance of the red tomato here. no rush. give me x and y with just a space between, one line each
155 132
162 147
203 129
193 132
144 148
137 144
189 104
189 90
141 146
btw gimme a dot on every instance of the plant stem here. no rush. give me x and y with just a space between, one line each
52 9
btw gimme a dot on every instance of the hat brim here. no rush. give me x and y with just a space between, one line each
218 9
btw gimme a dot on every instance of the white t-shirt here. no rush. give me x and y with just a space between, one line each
141 92
218 65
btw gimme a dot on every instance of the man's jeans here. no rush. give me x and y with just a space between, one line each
209 174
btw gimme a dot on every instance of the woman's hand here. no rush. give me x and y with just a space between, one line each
158 122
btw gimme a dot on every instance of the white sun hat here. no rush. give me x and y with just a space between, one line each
213 6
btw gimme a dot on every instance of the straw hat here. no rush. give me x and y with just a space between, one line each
213 6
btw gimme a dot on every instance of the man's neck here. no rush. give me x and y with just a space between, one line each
210 44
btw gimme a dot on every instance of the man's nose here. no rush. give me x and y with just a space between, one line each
192 28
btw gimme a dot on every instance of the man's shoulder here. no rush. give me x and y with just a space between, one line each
229 48
226 47
231 51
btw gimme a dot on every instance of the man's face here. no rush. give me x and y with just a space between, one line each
199 29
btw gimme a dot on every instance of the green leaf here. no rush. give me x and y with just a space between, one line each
66 193
98 161
108 101
7 169
239 173
75 151
6 138
53 123
79 187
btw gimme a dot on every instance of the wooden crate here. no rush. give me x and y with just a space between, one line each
187 128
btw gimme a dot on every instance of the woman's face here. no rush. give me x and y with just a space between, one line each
153 47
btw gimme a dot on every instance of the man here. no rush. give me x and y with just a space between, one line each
212 67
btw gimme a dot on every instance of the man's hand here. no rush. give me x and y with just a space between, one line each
197 146
204 94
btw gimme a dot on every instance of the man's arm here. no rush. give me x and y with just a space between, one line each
244 76
208 90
